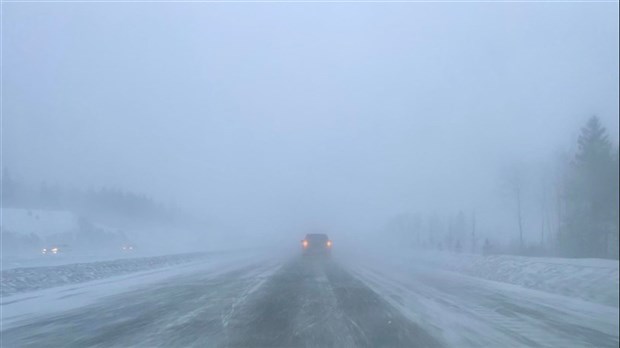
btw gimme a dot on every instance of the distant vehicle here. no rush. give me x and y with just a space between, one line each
316 244
55 249
128 247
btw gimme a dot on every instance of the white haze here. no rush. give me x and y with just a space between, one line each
274 118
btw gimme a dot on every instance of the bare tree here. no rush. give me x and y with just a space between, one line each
543 210
513 180
474 240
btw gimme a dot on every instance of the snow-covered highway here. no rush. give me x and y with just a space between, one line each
258 300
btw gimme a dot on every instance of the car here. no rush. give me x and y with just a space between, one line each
128 247
55 249
316 244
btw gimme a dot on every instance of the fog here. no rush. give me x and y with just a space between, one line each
309 174
265 119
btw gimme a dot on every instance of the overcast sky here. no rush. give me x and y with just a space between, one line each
280 115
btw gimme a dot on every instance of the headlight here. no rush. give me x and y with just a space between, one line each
305 243
329 243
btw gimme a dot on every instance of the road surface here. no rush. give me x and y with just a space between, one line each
307 302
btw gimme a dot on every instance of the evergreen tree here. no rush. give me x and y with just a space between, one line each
9 189
589 222
615 238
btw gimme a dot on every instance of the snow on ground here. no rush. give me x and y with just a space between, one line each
26 232
468 311
42 223
51 271
20 308
40 260
17 280
593 280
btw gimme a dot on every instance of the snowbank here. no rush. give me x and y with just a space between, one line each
593 280
18 280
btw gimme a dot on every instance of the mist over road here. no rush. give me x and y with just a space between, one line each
161 162
293 302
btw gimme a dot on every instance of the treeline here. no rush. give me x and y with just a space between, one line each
456 232
567 207
109 205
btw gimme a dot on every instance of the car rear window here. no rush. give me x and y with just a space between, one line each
316 237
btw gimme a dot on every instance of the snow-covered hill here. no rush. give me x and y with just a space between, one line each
26 231
43 223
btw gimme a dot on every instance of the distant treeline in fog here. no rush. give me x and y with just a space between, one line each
105 205
567 207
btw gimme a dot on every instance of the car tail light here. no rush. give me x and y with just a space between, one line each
329 243
304 243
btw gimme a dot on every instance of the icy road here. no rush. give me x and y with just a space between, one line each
299 302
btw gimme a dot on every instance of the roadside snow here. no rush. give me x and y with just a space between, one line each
594 280
496 301
18 280
41 260
472 312
23 307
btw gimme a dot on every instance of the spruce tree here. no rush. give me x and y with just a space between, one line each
590 195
